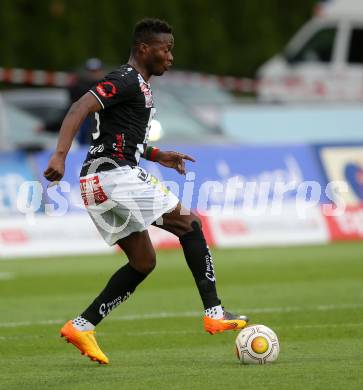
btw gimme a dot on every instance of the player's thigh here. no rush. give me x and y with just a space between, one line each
178 221
139 250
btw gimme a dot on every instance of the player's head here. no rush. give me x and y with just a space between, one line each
152 44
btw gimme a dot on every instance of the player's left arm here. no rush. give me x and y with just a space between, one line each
168 159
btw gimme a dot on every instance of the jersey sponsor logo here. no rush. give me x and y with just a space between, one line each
96 149
151 180
92 192
106 89
148 95
118 146
146 90
142 174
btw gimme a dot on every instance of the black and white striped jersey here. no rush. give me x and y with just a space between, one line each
123 123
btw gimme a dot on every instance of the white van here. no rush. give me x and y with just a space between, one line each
323 61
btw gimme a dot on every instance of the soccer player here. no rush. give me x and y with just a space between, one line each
121 198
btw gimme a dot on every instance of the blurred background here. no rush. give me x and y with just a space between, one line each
264 96
267 96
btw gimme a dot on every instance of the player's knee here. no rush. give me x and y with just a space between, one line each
191 224
146 269
183 224
150 264
144 265
196 221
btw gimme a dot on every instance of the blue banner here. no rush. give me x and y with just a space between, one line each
66 196
15 172
234 175
343 164
223 176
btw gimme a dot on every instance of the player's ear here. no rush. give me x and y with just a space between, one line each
143 47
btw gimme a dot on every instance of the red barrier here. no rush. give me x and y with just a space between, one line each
348 226
65 79
36 77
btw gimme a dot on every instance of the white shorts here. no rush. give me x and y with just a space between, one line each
125 200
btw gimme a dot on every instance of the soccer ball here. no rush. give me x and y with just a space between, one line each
257 344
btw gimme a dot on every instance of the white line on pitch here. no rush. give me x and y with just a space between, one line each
306 326
150 316
182 332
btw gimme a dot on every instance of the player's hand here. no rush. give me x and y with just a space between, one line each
55 170
174 160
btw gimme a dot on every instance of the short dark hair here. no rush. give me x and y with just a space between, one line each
146 29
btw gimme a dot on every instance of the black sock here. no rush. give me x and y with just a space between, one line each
199 260
121 285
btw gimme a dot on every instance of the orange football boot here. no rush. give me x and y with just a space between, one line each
228 322
85 341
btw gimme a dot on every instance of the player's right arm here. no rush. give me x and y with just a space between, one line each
70 125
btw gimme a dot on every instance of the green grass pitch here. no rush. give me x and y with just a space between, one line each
311 296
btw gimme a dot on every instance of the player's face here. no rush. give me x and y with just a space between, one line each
159 58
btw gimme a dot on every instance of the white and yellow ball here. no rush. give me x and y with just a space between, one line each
257 344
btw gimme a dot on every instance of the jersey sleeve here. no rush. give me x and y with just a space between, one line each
114 89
